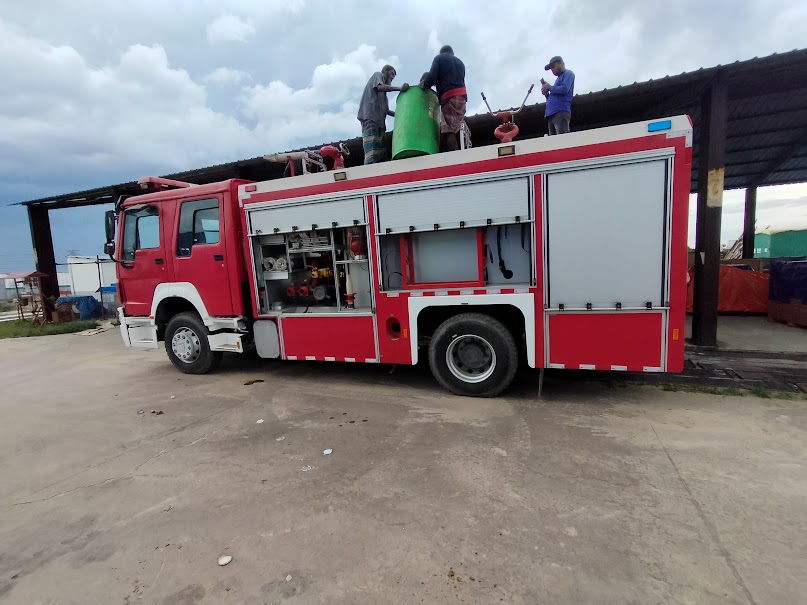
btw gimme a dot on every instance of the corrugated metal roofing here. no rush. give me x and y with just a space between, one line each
766 139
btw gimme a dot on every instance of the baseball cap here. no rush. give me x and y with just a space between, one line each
554 59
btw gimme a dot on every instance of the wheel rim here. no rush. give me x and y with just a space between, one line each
186 345
471 358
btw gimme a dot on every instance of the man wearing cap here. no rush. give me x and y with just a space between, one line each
558 96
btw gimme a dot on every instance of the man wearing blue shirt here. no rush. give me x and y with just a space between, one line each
558 96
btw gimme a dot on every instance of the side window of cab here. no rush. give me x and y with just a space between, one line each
198 225
141 230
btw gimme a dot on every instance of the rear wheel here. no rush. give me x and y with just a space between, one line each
187 345
473 354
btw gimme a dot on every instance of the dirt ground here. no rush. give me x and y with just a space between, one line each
593 494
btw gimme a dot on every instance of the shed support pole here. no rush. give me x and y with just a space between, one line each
750 222
711 172
44 258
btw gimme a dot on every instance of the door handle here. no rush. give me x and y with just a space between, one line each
158 261
218 257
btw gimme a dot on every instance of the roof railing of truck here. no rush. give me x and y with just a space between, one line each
156 183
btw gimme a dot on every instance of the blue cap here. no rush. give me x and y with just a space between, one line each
554 59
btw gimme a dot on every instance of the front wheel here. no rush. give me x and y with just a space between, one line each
473 354
187 345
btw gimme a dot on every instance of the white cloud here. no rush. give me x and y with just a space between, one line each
225 76
266 8
140 112
433 43
229 28
322 111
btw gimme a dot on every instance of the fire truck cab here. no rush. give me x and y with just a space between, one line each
565 252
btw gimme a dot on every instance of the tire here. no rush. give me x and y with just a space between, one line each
187 345
473 355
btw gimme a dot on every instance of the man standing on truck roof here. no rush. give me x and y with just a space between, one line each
373 112
558 96
447 74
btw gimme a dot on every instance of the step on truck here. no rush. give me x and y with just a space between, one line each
563 252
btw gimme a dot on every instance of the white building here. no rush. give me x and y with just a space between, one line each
84 277
81 278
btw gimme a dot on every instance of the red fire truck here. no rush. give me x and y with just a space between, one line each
566 252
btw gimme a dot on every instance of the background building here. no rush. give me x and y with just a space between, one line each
781 243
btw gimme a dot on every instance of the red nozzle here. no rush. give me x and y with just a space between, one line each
506 132
329 151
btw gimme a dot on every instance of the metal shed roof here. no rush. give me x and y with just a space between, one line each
766 138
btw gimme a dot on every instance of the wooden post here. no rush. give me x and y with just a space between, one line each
44 258
711 171
750 222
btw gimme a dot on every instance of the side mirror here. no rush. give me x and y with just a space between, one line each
109 220
109 249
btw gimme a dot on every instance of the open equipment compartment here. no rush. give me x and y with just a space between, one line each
316 270
484 236
452 258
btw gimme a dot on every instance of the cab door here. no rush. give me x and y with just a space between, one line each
142 258
199 256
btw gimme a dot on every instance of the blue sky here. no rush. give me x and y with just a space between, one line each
94 93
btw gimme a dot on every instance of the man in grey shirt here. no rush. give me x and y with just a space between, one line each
373 112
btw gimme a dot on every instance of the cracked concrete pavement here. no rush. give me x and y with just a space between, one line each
597 493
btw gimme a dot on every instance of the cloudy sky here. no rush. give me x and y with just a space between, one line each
95 92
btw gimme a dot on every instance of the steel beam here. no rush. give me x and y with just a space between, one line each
799 141
685 98
44 258
751 134
711 173
749 228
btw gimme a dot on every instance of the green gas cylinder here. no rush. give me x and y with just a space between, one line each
417 124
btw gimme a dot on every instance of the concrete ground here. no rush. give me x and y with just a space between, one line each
594 494
755 333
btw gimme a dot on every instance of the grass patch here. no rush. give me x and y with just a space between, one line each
729 391
22 329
